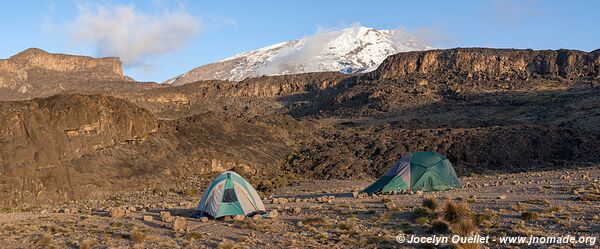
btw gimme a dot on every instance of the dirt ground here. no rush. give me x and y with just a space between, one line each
325 213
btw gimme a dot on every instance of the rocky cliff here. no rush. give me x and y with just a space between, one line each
37 73
106 68
38 136
43 132
485 63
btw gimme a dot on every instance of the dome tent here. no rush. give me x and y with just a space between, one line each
425 171
230 194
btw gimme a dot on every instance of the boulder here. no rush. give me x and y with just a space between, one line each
390 205
178 224
297 211
165 216
273 214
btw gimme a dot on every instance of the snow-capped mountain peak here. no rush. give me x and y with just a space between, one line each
350 50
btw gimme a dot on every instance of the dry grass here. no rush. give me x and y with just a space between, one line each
551 210
258 225
464 227
346 226
137 236
314 221
482 218
385 217
42 240
193 235
87 244
530 215
538 202
454 213
226 244
518 207
590 197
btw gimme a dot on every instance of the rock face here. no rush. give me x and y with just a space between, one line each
484 63
36 73
67 126
33 58
38 136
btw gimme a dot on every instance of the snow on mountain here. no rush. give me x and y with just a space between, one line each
350 50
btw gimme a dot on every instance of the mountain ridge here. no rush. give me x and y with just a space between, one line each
350 50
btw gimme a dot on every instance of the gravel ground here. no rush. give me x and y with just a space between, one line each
324 213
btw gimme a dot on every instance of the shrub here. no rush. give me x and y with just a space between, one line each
439 226
42 240
193 235
226 244
530 215
137 236
454 213
518 207
264 186
241 170
278 181
430 203
385 217
421 220
481 218
313 220
422 212
345 226
551 210
464 227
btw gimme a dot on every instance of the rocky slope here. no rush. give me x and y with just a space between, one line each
351 50
69 147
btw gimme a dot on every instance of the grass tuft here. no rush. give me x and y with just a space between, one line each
454 213
530 215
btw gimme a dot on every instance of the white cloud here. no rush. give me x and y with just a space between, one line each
132 35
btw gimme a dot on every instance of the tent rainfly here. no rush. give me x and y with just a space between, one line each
230 194
425 171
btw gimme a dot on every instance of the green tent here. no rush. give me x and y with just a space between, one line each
230 194
425 171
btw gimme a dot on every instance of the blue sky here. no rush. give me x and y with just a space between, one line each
220 29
